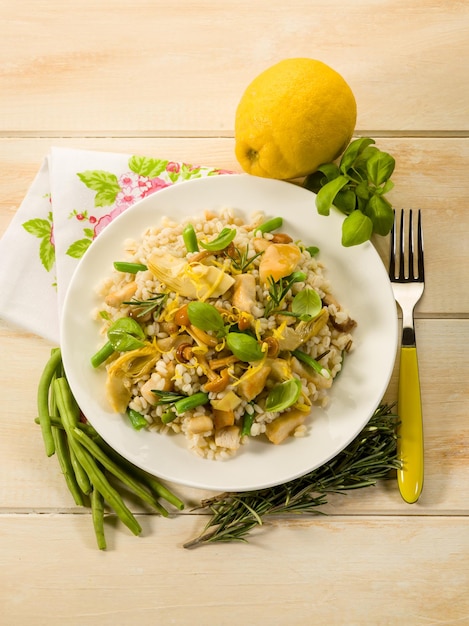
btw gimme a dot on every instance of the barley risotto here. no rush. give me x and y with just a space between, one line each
219 330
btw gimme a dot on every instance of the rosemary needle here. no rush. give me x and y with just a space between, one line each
371 456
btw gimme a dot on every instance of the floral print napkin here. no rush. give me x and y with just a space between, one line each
74 196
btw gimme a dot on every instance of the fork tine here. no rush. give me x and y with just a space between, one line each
420 263
401 248
392 253
410 256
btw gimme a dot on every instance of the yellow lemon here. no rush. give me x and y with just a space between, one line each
292 118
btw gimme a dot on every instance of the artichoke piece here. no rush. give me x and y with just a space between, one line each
285 425
191 280
303 331
117 392
124 370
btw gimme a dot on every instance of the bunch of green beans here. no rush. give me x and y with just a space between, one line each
93 471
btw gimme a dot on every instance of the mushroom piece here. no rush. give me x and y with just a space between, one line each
344 326
117 297
260 244
244 292
279 260
220 383
200 424
282 427
252 382
223 418
227 437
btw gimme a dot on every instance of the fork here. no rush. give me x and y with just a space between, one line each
407 279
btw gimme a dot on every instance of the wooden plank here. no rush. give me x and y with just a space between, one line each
180 67
369 570
29 481
430 174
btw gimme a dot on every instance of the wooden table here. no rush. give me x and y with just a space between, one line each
164 79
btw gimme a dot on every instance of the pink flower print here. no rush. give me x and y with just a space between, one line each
157 183
133 188
107 219
51 236
173 167
219 171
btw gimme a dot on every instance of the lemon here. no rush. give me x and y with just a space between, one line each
293 117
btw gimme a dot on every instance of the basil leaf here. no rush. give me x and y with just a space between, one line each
356 229
363 191
345 201
330 170
313 250
326 195
386 187
223 240
379 167
381 214
123 342
306 304
206 317
245 347
354 149
125 334
127 325
315 181
283 396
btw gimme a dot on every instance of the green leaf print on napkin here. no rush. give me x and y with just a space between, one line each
43 230
104 183
144 166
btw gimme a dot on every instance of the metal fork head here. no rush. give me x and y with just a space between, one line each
402 265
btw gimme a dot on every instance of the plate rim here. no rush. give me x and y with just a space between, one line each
159 198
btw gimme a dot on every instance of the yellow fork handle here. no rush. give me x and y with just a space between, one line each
410 430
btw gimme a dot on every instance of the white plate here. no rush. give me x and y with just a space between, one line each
358 279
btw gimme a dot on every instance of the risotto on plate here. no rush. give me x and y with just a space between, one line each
218 330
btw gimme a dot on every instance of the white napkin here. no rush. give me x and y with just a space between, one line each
75 194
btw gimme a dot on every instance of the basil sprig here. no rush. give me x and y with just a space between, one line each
356 186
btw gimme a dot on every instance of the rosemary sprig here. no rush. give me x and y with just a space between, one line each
151 305
240 259
278 291
167 397
371 456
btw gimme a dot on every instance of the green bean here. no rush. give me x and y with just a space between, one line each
168 416
101 483
63 455
190 238
117 471
137 420
191 402
97 512
57 423
102 354
66 405
150 481
80 474
130 268
248 419
123 335
223 240
315 365
270 225
43 399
